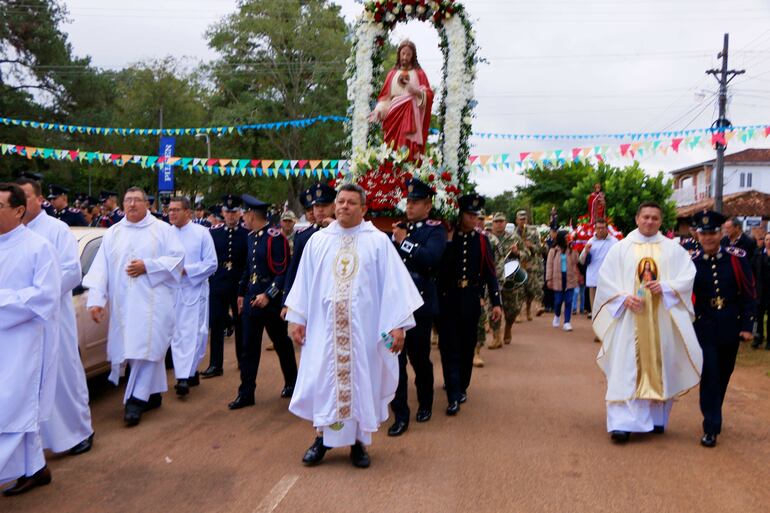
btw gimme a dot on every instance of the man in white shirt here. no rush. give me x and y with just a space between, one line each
30 291
137 269
593 255
69 428
188 347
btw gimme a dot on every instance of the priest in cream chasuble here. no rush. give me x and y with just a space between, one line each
643 315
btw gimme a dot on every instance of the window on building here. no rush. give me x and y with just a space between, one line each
748 180
743 180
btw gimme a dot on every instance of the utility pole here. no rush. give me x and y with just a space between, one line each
724 77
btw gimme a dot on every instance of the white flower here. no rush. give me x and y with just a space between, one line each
408 9
420 9
389 17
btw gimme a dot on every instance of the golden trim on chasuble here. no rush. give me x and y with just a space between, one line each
345 270
649 359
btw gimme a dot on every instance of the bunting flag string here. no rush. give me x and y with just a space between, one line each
218 130
333 167
307 122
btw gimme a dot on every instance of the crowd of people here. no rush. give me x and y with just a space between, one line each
361 305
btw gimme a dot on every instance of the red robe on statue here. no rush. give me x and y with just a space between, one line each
406 122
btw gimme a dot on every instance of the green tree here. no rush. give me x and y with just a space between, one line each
624 189
550 186
280 60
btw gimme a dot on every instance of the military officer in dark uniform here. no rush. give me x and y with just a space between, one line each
724 315
216 217
318 198
57 195
151 205
165 201
230 243
420 243
466 269
200 215
691 243
109 200
260 298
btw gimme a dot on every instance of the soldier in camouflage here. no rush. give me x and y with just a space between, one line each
484 322
508 244
532 261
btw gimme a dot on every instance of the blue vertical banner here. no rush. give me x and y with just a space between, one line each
166 173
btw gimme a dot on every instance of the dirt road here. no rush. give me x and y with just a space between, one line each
532 437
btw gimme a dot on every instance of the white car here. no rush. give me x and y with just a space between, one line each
92 337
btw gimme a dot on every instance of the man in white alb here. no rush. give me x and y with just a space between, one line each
188 347
354 299
643 316
69 428
30 291
137 270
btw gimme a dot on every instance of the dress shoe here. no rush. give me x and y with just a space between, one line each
83 446
229 332
453 408
463 397
423 415
24 484
241 401
133 411
620 437
359 456
315 453
153 402
398 428
182 387
211 372
708 440
194 380
658 430
287 392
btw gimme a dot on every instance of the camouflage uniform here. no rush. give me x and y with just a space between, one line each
511 298
484 319
533 264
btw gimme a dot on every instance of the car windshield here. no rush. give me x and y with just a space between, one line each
89 252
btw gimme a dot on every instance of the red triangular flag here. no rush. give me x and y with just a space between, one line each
523 155
675 143
624 149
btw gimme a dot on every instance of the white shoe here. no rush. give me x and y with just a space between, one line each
555 322
567 326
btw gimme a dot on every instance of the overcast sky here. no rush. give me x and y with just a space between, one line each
555 66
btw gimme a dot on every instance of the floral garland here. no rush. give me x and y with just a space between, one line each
383 172
455 110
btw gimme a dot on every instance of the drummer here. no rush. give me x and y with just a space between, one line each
510 246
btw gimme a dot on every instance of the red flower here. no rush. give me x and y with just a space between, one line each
446 176
378 18
431 177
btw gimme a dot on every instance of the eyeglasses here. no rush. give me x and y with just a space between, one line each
133 200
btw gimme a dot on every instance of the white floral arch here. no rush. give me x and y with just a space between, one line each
365 71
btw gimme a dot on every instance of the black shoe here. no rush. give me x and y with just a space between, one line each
83 446
756 343
153 402
287 392
24 484
194 380
133 411
423 415
315 453
620 437
182 387
359 456
658 430
709 440
453 408
211 372
241 401
463 397
398 428
229 332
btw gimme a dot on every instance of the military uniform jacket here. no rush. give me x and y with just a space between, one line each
724 295
690 244
266 264
115 216
71 216
300 240
421 252
231 248
468 262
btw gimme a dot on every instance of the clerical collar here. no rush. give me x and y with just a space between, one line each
146 221
5 237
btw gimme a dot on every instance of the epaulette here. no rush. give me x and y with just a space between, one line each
303 228
73 210
273 232
217 227
695 254
735 251
433 222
